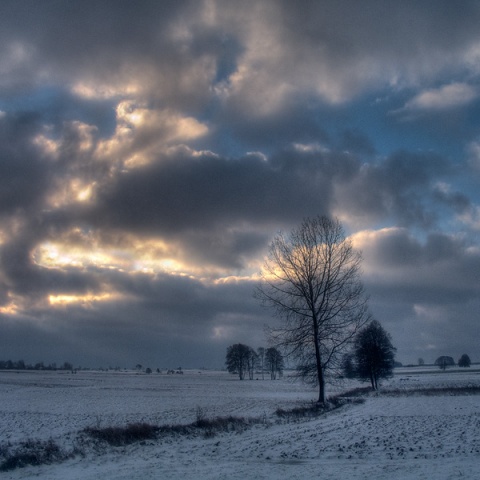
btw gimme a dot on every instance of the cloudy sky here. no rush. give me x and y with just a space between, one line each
149 151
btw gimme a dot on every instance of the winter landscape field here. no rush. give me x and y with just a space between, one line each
424 423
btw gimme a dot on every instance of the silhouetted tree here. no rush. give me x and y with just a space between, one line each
464 361
373 354
252 361
261 360
348 367
421 361
311 280
274 362
445 361
237 359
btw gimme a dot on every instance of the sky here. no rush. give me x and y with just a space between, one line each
150 151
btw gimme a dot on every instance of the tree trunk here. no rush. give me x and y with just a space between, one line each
321 386
318 359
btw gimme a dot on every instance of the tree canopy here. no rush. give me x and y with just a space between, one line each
464 361
445 361
238 359
373 355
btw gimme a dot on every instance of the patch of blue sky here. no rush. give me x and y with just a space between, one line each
391 130
56 105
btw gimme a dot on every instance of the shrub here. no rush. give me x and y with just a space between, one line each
32 452
118 436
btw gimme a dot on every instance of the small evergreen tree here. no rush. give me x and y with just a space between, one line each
373 355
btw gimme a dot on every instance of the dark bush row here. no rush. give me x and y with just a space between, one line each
31 452
317 409
118 436
432 391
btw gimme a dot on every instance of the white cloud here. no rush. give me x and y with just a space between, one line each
143 132
471 218
448 96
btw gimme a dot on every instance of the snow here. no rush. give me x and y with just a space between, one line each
387 437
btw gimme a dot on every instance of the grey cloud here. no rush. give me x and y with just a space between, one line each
32 282
342 44
107 44
400 187
187 193
24 174
440 271
172 322
424 291
456 200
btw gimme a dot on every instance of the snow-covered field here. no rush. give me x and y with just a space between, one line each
407 436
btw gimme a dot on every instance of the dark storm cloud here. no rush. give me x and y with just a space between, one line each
198 192
24 174
86 35
204 199
397 34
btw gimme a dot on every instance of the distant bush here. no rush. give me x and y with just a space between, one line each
434 391
316 409
118 436
137 432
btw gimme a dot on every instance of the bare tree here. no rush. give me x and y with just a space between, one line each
274 361
237 359
252 361
261 360
311 279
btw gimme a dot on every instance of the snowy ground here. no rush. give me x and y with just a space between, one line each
407 436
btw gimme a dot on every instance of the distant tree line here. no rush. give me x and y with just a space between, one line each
445 361
243 360
21 365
